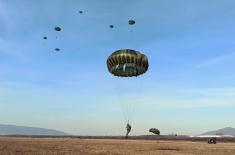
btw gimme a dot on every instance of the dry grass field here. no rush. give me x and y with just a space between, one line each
76 146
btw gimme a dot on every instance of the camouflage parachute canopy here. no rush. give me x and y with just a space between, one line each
57 49
155 131
212 140
57 28
127 63
131 22
111 26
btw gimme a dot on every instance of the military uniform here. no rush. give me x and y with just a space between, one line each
128 129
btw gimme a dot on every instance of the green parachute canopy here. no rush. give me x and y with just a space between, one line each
127 63
131 22
155 131
57 49
111 26
57 28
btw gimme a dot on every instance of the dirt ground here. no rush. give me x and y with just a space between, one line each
75 146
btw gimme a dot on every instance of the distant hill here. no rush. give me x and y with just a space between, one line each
23 130
223 131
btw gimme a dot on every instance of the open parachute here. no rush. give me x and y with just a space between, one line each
127 63
155 131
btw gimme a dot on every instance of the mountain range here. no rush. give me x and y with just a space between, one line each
223 131
23 130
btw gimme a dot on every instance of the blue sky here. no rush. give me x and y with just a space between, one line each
189 87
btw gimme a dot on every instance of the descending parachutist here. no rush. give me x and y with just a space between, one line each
80 11
127 63
128 129
57 49
131 22
57 28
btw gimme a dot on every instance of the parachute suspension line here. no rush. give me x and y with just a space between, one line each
127 104
123 106
133 105
137 98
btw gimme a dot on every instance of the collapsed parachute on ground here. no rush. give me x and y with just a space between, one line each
127 63
131 22
57 28
155 131
211 141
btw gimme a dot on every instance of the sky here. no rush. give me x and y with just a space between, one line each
188 89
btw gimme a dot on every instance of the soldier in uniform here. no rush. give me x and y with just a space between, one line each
128 129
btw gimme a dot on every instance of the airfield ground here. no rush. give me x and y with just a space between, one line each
77 146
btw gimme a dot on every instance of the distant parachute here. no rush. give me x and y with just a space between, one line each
127 63
44 37
57 49
131 22
211 141
57 28
80 11
155 131
111 26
